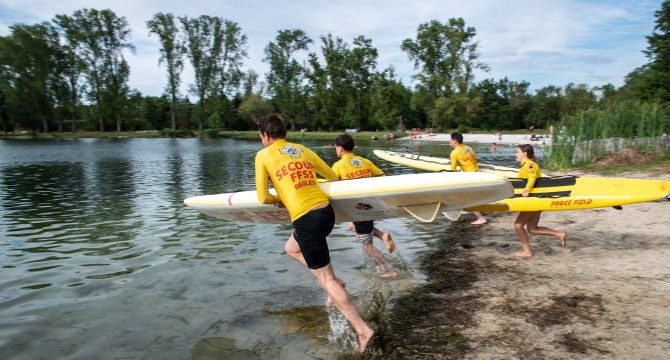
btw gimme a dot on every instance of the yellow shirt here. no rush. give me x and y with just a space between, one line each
465 157
292 169
531 171
351 166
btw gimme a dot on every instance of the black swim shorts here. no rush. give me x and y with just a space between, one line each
310 231
364 227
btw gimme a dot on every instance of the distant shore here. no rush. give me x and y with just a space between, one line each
507 139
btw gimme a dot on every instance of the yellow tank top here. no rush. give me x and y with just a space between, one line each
351 166
531 171
465 157
292 169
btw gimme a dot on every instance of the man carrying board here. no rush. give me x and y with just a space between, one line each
292 169
465 157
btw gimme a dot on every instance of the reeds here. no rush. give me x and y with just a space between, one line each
578 138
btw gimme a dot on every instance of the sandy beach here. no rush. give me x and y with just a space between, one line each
606 295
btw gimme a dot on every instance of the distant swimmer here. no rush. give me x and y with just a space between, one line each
287 165
351 166
531 171
465 157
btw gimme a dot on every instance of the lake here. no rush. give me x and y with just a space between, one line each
101 259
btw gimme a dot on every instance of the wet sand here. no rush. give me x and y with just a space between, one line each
606 295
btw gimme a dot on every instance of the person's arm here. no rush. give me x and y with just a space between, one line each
532 178
322 168
336 170
264 196
454 159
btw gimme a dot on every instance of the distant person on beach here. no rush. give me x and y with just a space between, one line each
465 157
292 169
351 166
531 171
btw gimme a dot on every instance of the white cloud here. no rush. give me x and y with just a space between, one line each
544 42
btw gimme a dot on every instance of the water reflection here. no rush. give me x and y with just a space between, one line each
100 256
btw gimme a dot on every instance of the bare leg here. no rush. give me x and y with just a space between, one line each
519 223
293 250
377 257
480 218
386 238
342 300
533 228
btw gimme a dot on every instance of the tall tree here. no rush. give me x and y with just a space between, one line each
446 55
658 53
230 74
100 37
330 83
172 55
361 64
286 76
204 38
28 60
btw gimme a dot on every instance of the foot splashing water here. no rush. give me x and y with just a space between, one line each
341 334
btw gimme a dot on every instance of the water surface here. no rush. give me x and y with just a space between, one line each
101 259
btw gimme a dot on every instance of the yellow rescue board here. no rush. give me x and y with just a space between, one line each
421 196
577 193
430 163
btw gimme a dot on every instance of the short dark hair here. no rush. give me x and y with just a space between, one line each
457 136
345 141
272 125
528 149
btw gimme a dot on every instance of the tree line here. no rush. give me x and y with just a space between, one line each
70 74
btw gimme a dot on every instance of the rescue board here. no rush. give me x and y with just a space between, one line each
578 193
422 196
430 163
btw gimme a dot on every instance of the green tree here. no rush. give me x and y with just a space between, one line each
577 98
546 107
658 53
330 84
172 55
286 77
229 73
28 60
204 41
361 64
390 102
446 55
99 38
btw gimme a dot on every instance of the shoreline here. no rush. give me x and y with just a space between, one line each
500 139
602 296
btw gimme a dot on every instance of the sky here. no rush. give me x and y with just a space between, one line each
543 42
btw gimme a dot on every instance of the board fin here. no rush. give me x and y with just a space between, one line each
453 215
618 207
424 212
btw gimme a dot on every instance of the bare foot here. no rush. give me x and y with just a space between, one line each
523 254
563 238
364 338
351 227
388 241
479 222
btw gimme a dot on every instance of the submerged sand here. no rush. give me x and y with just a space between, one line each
606 295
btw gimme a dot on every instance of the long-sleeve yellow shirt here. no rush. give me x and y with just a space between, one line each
292 169
465 157
351 166
531 171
